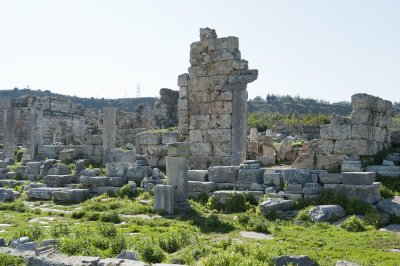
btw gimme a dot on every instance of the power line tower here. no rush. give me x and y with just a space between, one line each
138 90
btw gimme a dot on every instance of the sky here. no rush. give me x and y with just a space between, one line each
95 48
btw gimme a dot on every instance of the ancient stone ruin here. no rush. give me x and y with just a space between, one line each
213 101
365 133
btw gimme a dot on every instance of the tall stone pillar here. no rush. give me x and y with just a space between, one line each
177 172
36 135
9 133
239 126
109 131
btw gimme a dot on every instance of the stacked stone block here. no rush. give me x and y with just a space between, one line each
366 132
212 104
260 147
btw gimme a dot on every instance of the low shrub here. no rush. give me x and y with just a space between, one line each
6 260
60 230
126 191
236 202
304 214
107 229
213 203
150 251
110 217
354 224
78 214
386 192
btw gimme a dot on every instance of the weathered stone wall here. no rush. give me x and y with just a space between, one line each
304 132
365 133
213 101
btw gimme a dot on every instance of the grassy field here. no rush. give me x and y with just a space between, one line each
103 226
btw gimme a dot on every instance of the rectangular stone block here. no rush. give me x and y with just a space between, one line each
169 137
199 84
197 71
182 105
217 135
198 175
361 117
149 138
248 176
219 121
199 122
164 198
225 54
200 59
221 96
357 147
221 107
222 149
201 149
243 76
358 178
252 147
200 186
330 186
196 135
312 189
266 160
219 80
292 196
294 188
367 193
339 132
183 92
183 80
330 178
321 146
351 166
199 47
229 43
362 132
199 97
223 174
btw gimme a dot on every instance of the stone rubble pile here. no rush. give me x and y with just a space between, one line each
260 147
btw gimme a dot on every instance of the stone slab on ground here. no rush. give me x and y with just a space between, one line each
198 175
71 195
326 213
222 195
45 193
394 228
300 260
390 206
255 235
276 204
199 186
351 166
330 178
358 178
346 263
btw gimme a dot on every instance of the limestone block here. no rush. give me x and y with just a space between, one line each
220 121
357 147
102 190
58 180
183 80
266 160
296 176
197 71
219 80
200 59
252 147
59 169
331 187
182 105
149 138
33 168
393 171
6 195
221 96
351 166
199 122
217 135
312 189
199 47
198 175
43 193
207 33
223 174
248 176
169 137
225 67
95 181
292 196
199 97
137 173
330 178
379 134
183 92
232 87
294 188
196 135
325 213
117 169
201 186
164 198
222 149
362 132
177 176
243 76
221 107
222 195
198 84
268 150
71 195
334 132
201 149
199 162
275 204
321 146
363 101
273 179
225 54
368 193
390 206
358 178
361 117
229 43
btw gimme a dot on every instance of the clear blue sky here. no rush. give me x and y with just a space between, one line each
321 49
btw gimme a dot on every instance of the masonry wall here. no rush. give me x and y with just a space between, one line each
213 101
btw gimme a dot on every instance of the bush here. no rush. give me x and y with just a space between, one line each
60 230
304 214
374 219
354 224
117 244
107 229
78 214
236 202
126 191
213 203
93 216
173 241
350 205
150 251
110 217
386 192
6 260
